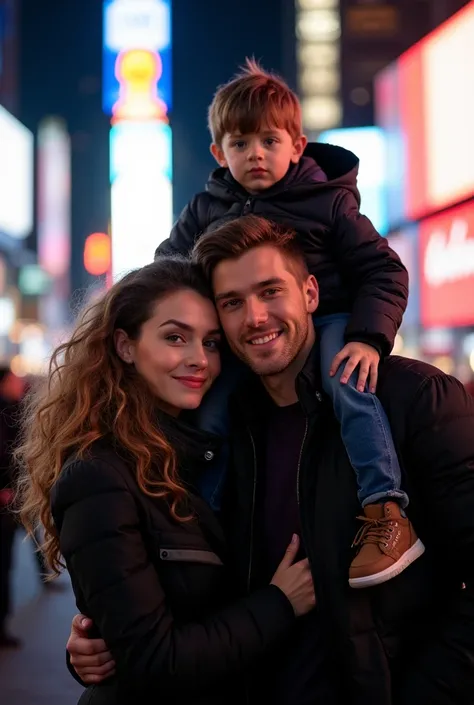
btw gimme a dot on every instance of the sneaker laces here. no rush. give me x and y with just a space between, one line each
373 531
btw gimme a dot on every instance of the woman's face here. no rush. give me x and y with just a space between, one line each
177 351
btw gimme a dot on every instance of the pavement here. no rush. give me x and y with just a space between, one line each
37 674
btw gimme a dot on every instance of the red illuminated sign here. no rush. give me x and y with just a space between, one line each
433 87
447 268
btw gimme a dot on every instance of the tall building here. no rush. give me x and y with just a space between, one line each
342 44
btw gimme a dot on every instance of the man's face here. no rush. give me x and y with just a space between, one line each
264 310
259 160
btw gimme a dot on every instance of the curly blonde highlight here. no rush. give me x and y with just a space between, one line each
90 394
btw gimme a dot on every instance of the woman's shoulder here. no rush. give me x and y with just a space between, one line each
100 469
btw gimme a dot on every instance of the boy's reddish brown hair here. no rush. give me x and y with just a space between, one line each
252 100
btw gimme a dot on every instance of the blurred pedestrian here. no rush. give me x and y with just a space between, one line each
11 392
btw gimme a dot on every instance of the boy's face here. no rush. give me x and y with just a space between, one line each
259 159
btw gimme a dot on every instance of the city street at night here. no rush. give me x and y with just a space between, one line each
36 674
237 352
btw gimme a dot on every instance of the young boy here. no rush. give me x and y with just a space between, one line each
267 168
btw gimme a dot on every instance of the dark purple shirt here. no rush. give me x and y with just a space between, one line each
285 433
298 674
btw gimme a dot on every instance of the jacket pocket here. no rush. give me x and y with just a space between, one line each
190 555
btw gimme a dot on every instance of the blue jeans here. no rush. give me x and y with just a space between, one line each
365 429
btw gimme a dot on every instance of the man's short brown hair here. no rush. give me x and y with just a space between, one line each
252 100
237 237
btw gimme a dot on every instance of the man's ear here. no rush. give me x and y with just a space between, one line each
311 291
218 155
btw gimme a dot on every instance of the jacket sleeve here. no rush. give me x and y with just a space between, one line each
376 276
105 551
441 447
189 225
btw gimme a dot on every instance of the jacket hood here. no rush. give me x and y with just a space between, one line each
321 166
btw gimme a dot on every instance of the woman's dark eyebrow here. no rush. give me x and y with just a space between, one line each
186 326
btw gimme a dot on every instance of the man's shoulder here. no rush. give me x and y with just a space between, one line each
396 368
404 380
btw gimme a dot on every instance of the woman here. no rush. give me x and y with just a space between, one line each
111 473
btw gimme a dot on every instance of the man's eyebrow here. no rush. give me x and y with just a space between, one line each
186 326
232 294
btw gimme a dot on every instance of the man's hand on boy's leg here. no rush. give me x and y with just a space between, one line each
90 658
359 355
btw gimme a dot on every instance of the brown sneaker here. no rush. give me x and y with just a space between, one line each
387 545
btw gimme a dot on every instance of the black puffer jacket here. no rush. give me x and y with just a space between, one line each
160 592
409 641
356 269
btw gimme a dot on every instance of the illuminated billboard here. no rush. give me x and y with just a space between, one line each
137 96
369 145
425 103
447 268
16 177
135 25
141 192
54 220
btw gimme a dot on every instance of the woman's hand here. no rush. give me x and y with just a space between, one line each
294 579
90 658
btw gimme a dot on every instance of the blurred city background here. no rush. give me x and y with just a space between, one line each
103 140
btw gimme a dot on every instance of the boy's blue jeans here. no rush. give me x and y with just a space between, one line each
365 429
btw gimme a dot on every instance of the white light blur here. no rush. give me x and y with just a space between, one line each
16 177
137 23
141 192
471 360
7 314
368 143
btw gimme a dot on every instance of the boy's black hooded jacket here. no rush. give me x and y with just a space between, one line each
356 270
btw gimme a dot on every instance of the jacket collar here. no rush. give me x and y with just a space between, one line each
194 448
253 401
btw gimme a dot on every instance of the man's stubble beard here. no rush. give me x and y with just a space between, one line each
287 356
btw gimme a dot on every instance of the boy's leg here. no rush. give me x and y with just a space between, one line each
365 428
387 541
213 416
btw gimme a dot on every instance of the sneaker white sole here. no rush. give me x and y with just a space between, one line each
403 562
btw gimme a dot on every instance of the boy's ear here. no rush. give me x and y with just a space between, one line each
218 155
299 145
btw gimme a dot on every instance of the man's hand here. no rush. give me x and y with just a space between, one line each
362 355
90 658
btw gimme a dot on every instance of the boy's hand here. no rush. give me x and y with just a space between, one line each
90 658
356 354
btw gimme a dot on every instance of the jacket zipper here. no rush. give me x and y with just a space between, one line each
298 470
247 205
249 575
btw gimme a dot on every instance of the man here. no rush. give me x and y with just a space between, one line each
409 641
11 392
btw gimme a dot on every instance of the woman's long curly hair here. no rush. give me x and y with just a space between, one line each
91 393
